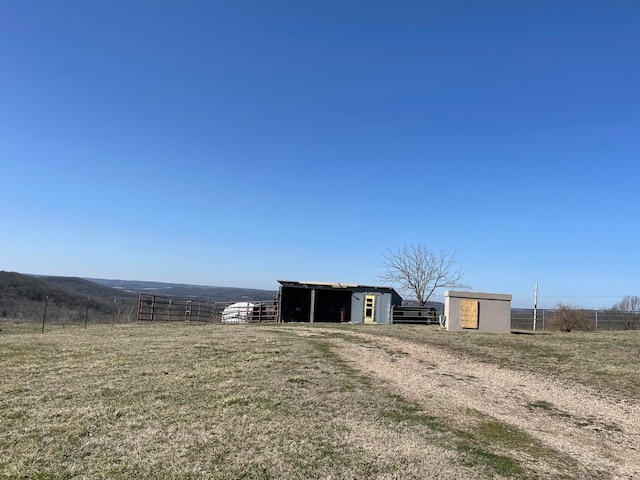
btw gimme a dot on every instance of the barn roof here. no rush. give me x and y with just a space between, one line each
335 285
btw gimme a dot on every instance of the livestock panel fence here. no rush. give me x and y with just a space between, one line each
577 319
416 315
155 308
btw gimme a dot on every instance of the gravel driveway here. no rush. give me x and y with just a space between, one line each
598 432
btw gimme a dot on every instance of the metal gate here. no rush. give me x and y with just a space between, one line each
155 308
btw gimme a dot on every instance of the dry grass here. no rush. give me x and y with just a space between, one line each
250 401
607 360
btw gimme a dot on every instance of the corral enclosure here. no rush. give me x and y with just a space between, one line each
154 308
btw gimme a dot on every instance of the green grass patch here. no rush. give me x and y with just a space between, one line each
402 411
497 464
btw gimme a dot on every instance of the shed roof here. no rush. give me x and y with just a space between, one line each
328 285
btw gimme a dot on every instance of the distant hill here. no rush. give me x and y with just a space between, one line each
87 287
72 299
22 297
180 290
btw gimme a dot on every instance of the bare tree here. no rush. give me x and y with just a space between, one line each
628 310
630 303
421 271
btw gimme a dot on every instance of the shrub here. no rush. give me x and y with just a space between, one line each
567 318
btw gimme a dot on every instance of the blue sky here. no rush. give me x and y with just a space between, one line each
235 143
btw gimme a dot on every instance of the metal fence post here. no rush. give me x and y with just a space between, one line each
86 315
44 317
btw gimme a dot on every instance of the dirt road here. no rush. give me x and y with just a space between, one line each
598 432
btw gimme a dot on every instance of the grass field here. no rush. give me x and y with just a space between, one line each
282 401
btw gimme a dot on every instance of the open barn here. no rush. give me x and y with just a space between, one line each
336 302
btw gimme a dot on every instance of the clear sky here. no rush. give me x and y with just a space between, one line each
235 143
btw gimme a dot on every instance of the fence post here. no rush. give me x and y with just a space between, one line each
140 307
188 305
44 317
596 320
86 315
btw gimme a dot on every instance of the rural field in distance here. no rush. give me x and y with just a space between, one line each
186 401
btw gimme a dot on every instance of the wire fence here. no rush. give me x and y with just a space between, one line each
547 319
50 311
154 308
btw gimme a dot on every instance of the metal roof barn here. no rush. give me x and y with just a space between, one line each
335 302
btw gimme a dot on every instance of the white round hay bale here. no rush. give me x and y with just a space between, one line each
239 312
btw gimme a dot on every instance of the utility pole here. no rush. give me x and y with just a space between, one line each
535 306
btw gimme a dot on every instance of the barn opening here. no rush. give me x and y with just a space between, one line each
335 302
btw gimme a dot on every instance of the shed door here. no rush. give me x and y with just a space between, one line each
369 308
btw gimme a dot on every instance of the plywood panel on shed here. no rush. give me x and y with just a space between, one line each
469 313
